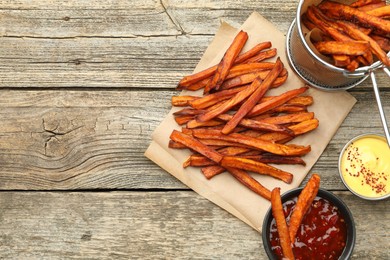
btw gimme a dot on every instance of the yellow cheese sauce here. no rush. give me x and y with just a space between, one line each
365 166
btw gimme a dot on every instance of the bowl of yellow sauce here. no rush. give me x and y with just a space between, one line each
364 166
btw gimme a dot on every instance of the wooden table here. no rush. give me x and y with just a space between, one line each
83 86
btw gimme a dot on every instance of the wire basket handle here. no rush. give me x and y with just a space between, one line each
378 101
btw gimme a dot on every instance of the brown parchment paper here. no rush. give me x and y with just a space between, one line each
223 190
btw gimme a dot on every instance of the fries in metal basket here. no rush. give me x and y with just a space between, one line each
353 35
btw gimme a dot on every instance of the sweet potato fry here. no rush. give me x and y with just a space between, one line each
383 42
211 99
250 77
380 12
290 118
256 143
358 35
275 102
227 62
188 112
220 104
189 80
300 100
252 52
307 22
198 161
279 80
195 145
204 74
305 126
304 201
197 85
298 129
360 3
235 71
250 182
367 58
369 7
244 79
281 224
341 60
234 150
244 68
258 125
252 133
353 65
175 145
220 143
331 22
321 21
186 131
362 60
262 56
353 48
275 159
264 115
211 171
201 161
238 98
181 120
337 32
341 11
182 101
256 166
195 124
254 98
286 108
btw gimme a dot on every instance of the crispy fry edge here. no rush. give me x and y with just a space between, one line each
281 224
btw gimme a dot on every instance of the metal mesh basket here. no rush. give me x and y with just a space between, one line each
323 75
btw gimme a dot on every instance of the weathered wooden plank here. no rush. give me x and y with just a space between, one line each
132 18
153 225
123 44
91 62
98 62
96 139
158 62
57 19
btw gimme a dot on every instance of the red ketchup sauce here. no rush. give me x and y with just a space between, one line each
322 234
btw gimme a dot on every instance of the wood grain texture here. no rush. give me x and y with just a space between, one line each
83 84
65 19
98 62
153 225
53 18
96 139
129 44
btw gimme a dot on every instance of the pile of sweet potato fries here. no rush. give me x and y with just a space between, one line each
287 232
235 126
352 35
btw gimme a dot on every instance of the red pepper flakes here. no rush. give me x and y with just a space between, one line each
374 180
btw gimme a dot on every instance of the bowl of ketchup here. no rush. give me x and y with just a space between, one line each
327 230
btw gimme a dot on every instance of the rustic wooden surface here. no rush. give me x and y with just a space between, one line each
83 84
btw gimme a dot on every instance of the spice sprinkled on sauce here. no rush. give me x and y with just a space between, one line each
365 166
